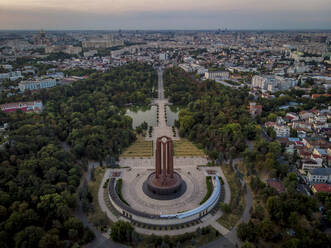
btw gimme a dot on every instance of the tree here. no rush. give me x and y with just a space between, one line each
272 117
274 206
225 207
247 245
258 212
119 230
29 237
50 240
266 229
292 243
247 231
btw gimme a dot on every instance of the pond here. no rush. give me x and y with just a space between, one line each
172 114
139 115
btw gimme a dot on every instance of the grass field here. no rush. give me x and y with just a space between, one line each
140 148
237 203
184 148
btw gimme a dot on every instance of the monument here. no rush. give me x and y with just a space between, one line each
164 181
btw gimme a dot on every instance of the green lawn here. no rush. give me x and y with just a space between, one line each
209 190
185 148
140 148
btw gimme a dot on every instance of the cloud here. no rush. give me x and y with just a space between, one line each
59 18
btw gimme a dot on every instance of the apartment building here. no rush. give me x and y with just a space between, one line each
217 74
320 175
273 83
36 85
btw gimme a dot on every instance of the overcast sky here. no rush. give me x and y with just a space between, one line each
165 14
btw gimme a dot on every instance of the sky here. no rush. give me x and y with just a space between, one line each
164 14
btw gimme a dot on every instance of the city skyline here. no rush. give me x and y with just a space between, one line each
210 14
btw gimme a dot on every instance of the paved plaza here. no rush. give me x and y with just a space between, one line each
133 193
136 170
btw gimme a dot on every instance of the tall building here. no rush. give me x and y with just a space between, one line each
36 85
64 49
102 43
217 74
273 83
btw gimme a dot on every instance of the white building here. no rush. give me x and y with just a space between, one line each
163 56
320 175
282 130
273 83
310 164
186 67
13 75
199 69
90 53
73 50
217 74
102 43
36 85
7 67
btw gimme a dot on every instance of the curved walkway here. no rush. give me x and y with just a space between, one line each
229 238
100 241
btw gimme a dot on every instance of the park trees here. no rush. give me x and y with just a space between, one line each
41 168
214 116
121 230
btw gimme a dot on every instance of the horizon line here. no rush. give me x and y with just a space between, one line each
179 29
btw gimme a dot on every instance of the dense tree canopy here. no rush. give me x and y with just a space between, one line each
214 116
41 164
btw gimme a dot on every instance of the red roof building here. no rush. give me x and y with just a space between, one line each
321 187
276 184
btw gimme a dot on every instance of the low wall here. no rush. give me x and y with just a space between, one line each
166 220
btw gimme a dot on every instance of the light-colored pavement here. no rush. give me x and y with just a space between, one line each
206 221
227 84
185 164
132 191
160 84
227 198
101 240
101 200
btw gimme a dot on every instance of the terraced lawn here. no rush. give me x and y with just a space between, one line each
140 148
185 148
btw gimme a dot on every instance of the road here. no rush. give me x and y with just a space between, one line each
160 84
100 241
232 234
227 84
229 239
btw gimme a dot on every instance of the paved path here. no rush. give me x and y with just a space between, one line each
232 235
100 241
132 191
160 83
229 238
227 84
226 186
206 221
101 200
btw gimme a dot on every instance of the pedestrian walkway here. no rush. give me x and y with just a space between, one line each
163 130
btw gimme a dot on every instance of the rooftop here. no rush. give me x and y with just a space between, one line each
321 171
322 187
